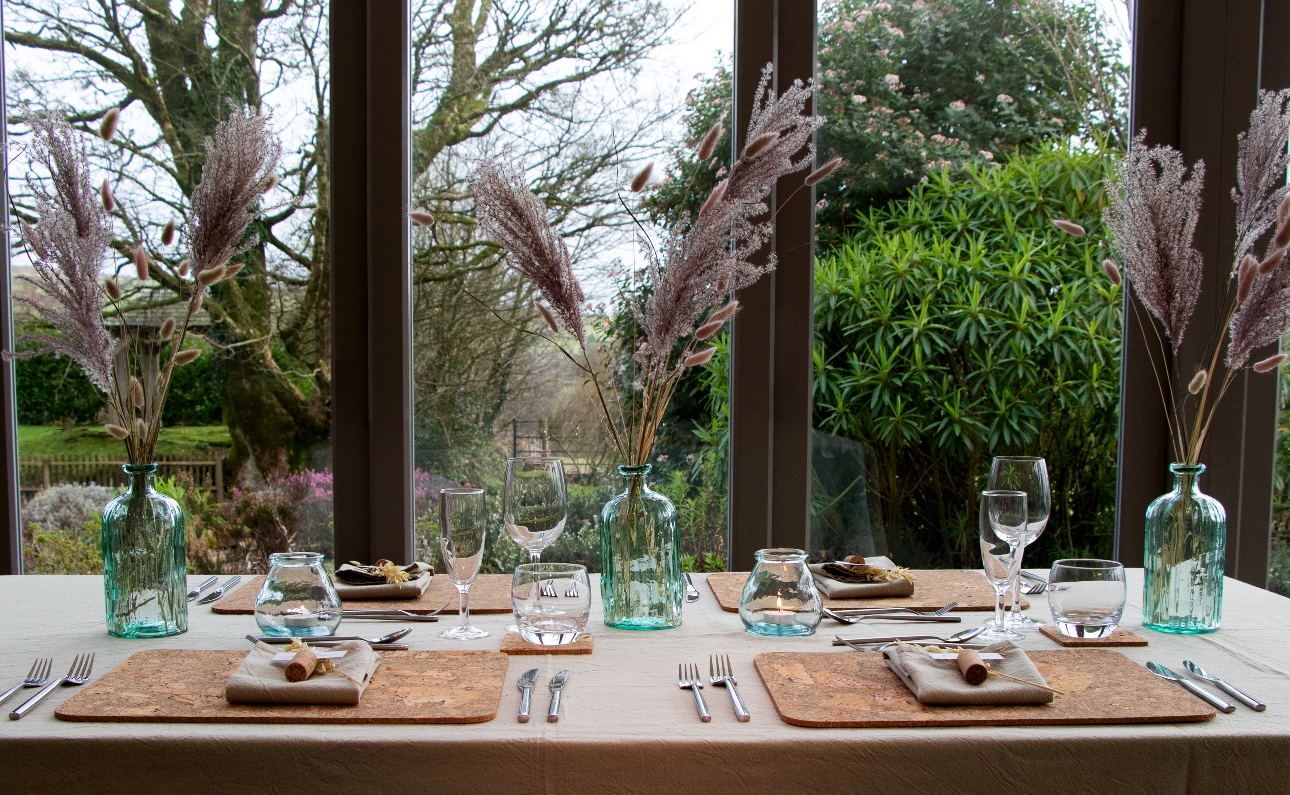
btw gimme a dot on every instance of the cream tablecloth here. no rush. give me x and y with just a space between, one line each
626 728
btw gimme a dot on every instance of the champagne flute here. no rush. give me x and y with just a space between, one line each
1003 540
1028 474
462 526
535 506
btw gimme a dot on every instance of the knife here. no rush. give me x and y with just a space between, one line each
557 687
196 592
526 684
1231 690
215 595
691 593
910 617
1213 700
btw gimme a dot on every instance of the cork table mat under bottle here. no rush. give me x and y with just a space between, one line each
933 589
490 593
852 689
187 686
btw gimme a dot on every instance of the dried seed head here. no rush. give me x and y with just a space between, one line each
270 183
184 357
167 329
1273 260
141 263
116 431
760 144
232 270
1282 238
721 285
107 127
642 178
136 392
709 141
105 193
823 172
700 358
422 217
1070 227
30 237
1197 382
1269 364
723 314
140 430
1112 272
168 234
708 329
1245 281
546 315
183 269
113 289
161 379
577 289
211 275
715 197
1283 211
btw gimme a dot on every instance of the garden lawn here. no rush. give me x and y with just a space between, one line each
200 443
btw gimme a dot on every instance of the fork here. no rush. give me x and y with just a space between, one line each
1031 590
36 677
687 676
548 590
78 674
721 674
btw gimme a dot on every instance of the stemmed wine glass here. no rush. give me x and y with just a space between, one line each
1003 540
535 506
462 527
1028 474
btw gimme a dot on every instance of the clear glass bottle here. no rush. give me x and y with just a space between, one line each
144 560
297 599
640 580
1186 535
780 597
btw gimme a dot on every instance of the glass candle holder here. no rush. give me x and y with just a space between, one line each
297 599
780 596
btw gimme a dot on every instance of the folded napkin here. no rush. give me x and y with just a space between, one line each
835 581
258 680
941 681
355 581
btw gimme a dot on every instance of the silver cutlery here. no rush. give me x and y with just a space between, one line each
392 615
1231 690
36 677
885 646
218 593
687 676
1033 577
390 638
206 583
721 674
557 687
375 646
910 617
691 593
871 611
526 684
1213 700
1036 588
966 634
78 674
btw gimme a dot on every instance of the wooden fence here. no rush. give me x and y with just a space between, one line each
36 473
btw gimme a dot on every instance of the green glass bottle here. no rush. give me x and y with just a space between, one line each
144 560
640 580
1186 537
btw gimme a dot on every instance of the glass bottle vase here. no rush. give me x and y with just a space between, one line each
640 580
144 552
1186 535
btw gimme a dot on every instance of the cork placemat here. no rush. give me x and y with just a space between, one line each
933 589
187 686
490 593
514 644
849 689
1119 637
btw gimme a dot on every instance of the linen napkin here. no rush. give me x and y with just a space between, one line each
941 682
258 680
834 588
362 582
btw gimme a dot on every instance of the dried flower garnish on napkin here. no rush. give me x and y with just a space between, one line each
862 578
863 572
1012 680
382 572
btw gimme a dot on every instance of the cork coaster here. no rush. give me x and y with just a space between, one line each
1120 637
933 589
845 689
187 686
490 593
514 644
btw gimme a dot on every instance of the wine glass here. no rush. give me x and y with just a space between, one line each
1003 540
535 506
462 527
1028 474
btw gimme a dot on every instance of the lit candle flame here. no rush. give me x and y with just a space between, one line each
779 602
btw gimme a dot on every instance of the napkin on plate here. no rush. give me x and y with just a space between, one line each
258 680
941 681
834 588
362 582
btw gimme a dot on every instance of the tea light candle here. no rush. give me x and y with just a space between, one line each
779 615
300 620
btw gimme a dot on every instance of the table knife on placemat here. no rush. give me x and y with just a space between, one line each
526 684
196 592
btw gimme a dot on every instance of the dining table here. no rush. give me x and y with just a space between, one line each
626 727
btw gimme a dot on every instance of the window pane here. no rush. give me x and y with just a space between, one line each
246 445
580 95
954 322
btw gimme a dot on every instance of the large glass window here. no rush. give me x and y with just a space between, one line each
581 95
246 445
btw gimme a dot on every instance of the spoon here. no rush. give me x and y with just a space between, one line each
957 637
1231 690
390 638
